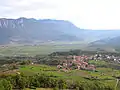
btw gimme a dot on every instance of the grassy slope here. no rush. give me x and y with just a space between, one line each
108 72
76 75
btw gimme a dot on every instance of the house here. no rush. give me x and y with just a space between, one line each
78 62
59 66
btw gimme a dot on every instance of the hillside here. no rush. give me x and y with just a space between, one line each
108 41
95 35
32 31
25 30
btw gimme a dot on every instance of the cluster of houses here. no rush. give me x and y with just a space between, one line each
78 62
105 57
81 62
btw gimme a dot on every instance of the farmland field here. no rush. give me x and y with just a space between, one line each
46 48
102 74
34 69
39 49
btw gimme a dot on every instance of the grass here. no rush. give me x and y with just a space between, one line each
45 48
103 73
98 63
39 89
38 50
74 75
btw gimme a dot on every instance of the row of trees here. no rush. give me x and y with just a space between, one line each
44 81
80 52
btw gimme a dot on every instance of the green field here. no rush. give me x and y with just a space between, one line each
34 69
39 89
100 78
37 50
45 49
102 74
49 47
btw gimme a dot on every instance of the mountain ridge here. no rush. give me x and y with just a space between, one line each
108 41
29 30
32 29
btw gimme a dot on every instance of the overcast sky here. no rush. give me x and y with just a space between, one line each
87 14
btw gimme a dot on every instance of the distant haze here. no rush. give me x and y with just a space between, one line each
86 14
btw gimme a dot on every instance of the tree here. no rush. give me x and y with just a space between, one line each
26 62
21 81
62 84
5 85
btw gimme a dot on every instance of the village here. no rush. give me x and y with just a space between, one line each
71 62
81 62
77 67
78 62
106 57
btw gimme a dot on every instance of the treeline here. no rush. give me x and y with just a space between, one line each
20 82
81 52
11 59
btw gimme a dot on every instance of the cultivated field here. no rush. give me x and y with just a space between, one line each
102 74
38 49
47 48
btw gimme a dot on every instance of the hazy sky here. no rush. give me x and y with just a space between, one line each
87 14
